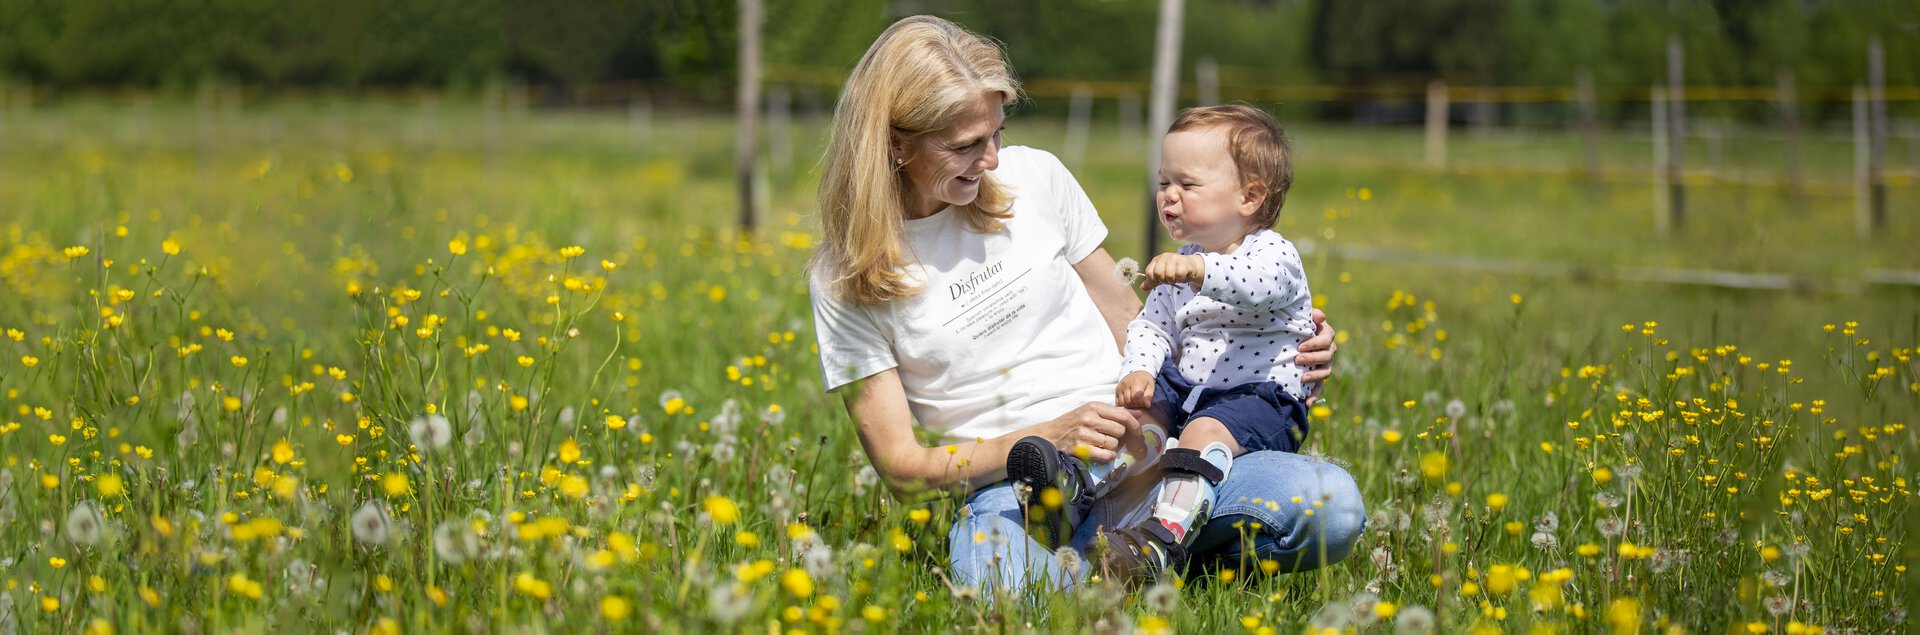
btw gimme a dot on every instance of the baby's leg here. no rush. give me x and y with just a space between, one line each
1205 431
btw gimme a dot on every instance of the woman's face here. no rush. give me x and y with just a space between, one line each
944 167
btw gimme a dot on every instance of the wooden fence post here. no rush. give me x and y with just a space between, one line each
1862 165
1877 130
780 128
747 106
1589 114
1677 130
1660 158
1790 121
1166 88
1206 77
1079 120
1437 124
640 119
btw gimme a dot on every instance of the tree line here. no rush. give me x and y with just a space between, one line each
689 45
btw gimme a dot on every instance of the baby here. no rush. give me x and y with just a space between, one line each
1211 354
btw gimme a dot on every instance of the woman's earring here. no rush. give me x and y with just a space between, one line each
897 162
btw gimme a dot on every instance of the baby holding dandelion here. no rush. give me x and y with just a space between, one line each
1211 356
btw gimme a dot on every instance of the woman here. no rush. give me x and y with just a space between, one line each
961 286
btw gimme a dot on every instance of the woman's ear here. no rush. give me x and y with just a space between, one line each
898 150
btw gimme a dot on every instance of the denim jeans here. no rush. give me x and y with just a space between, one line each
1266 510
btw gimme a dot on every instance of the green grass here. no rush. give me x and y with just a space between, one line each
1457 389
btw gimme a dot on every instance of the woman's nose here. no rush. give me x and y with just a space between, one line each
990 159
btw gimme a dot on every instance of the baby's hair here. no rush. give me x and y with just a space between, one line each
1259 147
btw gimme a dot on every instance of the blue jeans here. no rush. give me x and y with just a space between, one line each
990 547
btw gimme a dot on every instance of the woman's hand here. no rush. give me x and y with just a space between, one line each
1316 356
1097 426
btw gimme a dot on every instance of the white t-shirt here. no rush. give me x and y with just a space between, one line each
1244 325
1002 334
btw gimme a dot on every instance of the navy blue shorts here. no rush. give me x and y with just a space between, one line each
1260 416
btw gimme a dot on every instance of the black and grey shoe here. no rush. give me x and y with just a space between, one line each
1145 552
1036 463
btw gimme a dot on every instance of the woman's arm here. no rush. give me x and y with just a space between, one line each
878 405
1116 299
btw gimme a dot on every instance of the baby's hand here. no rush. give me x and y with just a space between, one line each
1135 391
1175 269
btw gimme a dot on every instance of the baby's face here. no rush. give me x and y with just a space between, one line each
1201 198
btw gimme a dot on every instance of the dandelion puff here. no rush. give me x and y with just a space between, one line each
1777 605
183 407
1775 578
454 542
633 426
1069 561
727 603
1456 409
189 435
670 396
566 416
1362 604
1548 523
1414 620
7 624
1332 616
476 432
778 476
723 452
430 431
1127 270
773 416
1607 499
84 524
1381 557
1610 527
1628 471
1796 550
728 421
818 559
279 418
1161 598
1545 541
866 478
371 525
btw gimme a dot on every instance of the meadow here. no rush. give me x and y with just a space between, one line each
343 365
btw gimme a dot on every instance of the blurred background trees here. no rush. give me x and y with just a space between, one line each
689 45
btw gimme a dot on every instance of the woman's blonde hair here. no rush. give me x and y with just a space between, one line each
919 77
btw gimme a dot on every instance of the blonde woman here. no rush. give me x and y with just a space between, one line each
961 287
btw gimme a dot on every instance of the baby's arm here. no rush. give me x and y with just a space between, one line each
1149 343
1265 276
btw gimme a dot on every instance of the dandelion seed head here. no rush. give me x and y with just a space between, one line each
430 432
371 525
1414 620
1161 598
85 525
1127 270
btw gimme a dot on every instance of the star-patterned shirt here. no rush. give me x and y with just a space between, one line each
1243 325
